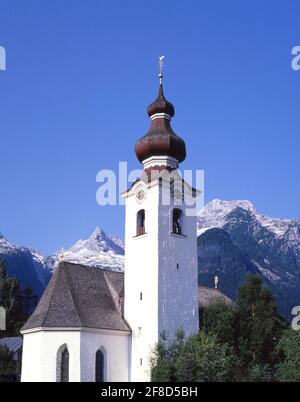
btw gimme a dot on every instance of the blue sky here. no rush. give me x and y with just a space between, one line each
81 73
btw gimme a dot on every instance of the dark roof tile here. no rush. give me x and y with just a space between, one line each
80 296
206 296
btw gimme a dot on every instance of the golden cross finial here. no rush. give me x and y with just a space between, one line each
161 64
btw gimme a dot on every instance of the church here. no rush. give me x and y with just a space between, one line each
93 324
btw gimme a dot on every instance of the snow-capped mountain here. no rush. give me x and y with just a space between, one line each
31 267
215 213
99 250
235 239
26 264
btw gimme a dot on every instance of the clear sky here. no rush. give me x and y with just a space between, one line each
80 74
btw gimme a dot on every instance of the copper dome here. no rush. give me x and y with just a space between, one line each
160 140
161 105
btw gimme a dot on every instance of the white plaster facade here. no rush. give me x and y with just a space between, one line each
160 272
41 347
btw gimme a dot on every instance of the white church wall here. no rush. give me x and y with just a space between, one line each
115 348
39 361
40 355
141 278
169 294
178 274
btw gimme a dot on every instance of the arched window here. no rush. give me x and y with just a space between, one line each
62 364
177 221
99 366
65 366
140 222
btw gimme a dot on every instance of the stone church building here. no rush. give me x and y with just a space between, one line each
93 324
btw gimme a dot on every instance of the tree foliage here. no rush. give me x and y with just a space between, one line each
198 358
259 325
247 341
289 346
17 302
7 364
219 318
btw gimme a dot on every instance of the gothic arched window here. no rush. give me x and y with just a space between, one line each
140 222
64 366
99 366
177 221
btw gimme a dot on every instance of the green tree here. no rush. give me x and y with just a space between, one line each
29 300
199 358
260 373
163 358
7 364
203 358
219 318
289 346
259 324
18 303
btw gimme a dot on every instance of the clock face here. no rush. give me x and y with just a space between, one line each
140 193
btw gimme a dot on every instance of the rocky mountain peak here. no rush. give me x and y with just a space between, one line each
99 250
98 234
257 243
214 213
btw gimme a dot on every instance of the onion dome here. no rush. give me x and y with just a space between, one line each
160 140
161 105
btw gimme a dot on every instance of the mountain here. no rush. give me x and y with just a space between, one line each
99 250
234 239
28 265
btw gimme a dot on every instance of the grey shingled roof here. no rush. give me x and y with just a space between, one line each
207 296
13 343
80 296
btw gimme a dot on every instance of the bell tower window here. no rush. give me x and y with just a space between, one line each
177 221
140 222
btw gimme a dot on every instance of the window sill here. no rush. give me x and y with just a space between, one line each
178 235
141 235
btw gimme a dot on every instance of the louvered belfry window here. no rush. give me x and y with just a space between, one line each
177 221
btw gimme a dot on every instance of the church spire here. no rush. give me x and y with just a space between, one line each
161 66
160 140
161 108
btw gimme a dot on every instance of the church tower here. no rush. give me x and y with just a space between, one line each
161 280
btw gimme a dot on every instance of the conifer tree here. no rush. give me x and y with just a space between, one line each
18 303
289 346
259 324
